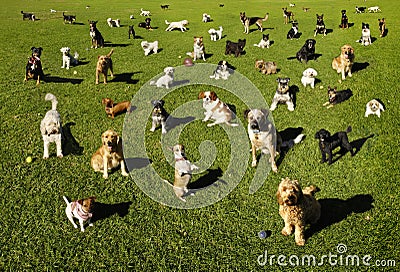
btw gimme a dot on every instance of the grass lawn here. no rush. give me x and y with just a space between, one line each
220 232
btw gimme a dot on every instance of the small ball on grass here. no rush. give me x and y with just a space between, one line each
28 159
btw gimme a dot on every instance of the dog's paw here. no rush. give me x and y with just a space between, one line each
60 156
300 242
284 232
125 174
105 176
254 163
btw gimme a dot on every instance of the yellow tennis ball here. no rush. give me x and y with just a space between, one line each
321 87
28 159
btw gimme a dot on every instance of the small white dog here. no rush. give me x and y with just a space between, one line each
221 71
374 9
51 128
264 43
215 34
113 23
149 46
81 210
67 59
166 80
206 18
374 107
309 75
181 25
216 110
144 12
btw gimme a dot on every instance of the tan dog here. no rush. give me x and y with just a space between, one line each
104 63
266 67
297 208
115 109
216 110
344 62
287 15
81 210
109 155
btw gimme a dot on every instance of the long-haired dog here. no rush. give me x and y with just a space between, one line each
336 97
344 62
382 27
67 59
69 18
307 51
328 142
146 24
365 35
80 209
293 32
33 68
198 49
297 207
51 128
287 15
104 63
308 77
320 26
149 47
215 34
344 21
282 95
216 110
180 24
221 71
112 109
165 80
113 23
97 38
29 16
266 67
374 107
236 48
109 156
248 21
159 116
264 43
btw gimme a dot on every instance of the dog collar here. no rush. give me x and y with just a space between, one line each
180 159
82 214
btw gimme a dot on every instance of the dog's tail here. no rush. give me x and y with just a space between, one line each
166 22
266 17
349 129
291 142
109 54
66 200
76 56
53 99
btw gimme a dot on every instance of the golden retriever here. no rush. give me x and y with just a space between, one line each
344 62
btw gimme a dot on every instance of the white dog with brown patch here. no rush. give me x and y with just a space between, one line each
216 109
198 49
81 210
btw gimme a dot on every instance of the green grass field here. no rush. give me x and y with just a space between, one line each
359 194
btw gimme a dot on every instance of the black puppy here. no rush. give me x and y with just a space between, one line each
69 18
336 97
131 31
320 27
307 51
29 16
159 116
33 68
294 31
344 21
145 24
97 38
235 48
328 143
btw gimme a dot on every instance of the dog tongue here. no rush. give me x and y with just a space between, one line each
110 148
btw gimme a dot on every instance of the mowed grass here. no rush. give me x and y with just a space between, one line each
360 194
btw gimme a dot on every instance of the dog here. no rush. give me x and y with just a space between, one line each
221 71
282 95
344 62
365 35
308 77
164 7
109 156
248 21
344 23
51 128
374 107
144 12
216 110
292 5
29 16
307 51
146 24
159 116
360 9
166 80
149 47
266 67
180 24
328 142
97 38
336 97
33 68
287 16
221 5
206 18
382 27
80 209
320 27
264 43
67 59
306 9
115 109
374 9
293 32
113 23
264 136
297 207
215 34
131 31
236 48
104 63
198 49
69 18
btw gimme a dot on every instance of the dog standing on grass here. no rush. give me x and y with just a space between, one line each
248 21
81 210
104 63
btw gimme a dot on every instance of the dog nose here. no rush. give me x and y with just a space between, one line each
254 126
109 143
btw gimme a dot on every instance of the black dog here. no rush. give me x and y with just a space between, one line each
336 97
235 48
97 38
159 116
131 31
345 21
307 51
320 27
33 68
29 16
69 18
294 31
164 7
328 143
145 24
360 9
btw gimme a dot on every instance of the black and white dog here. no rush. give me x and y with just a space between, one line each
293 32
283 95
97 38
34 68
221 71
159 116
307 51
27 15
365 35
320 27
69 18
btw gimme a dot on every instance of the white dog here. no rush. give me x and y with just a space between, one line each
206 18
181 25
144 12
166 80
113 23
221 71
81 210
215 34
374 107
264 43
374 9
309 75
51 128
216 110
149 46
67 59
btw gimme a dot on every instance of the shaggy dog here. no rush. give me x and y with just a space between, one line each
159 116
374 107
166 80
148 47
308 77
221 71
235 48
215 34
266 67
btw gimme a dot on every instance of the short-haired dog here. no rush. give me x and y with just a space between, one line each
360 9
344 62
221 71
112 109
33 68
293 32
336 97
282 95
320 26
308 77
113 23
67 59
149 47
216 110
307 51
344 21
146 24
266 67
215 34
69 18
248 21
236 48
165 80
131 31
374 9
97 38
179 24
104 63
80 209
287 15
29 16
264 43
198 49
144 12
374 107
365 35
159 116
382 27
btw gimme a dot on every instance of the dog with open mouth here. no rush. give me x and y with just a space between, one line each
307 51
216 110
33 69
282 95
344 62
198 49
80 209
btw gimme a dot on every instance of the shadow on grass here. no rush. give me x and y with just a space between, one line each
334 210
358 66
70 145
56 79
173 122
288 135
125 77
211 178
102 211
357 144
136 163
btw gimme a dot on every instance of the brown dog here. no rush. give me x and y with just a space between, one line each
109 155
287 15
266 67
344 62
115 109
104 63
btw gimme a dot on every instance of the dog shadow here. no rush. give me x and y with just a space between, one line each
294 89
125 77
179 82
351 24
172 122
316 56
110 44
102 211
329 30
56 79
288 135
358 66
81 63
138 37
78 23
70 145
136 163
211 178
357 144
373 39
334 210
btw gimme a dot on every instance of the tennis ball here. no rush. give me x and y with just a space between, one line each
262 234
28 159
321 87
75 72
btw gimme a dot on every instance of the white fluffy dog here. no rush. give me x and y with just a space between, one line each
149 46
309 75
113 23
206 18
215 34
67 59
166 80
50 127
181 25
374 107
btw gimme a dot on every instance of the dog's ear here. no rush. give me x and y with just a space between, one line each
32 48
162 102
246 113
153 102
279 197
213 96
41 49
288 79
201 95
265 112
316 135
170 148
